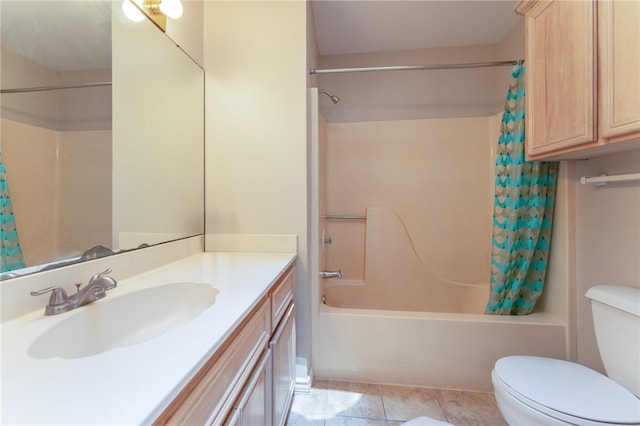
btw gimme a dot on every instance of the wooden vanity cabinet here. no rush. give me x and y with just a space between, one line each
583 77
278 378
210 396
241 384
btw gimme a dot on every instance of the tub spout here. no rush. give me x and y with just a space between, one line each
331 274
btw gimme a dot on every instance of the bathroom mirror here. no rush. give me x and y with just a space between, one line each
103 142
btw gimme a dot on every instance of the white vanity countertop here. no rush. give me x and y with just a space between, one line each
131 384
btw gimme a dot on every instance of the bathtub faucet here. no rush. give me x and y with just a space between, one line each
331 274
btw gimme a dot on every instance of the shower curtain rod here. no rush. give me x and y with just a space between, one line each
46 88
417 67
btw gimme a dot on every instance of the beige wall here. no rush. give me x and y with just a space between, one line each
187 31
511 47
158 129
403 95
256 140
607 239
558 296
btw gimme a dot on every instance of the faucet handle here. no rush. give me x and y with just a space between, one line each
99 275
58 295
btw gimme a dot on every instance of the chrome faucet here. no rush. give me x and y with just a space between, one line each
95 289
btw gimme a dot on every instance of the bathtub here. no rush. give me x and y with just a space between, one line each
403 324
432 349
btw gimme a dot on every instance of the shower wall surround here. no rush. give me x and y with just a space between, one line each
433 177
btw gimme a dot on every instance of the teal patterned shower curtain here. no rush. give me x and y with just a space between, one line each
522 213
10 251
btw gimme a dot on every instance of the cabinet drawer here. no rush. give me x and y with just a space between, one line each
281 297
209 397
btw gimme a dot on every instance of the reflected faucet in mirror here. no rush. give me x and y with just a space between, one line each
95 289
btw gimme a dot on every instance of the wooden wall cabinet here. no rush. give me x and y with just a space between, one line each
583 77
619 59
250 379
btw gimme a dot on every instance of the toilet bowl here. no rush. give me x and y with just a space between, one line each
544 391
533 390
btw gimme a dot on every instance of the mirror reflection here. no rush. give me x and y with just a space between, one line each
102 133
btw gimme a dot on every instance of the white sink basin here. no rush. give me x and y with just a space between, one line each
123 320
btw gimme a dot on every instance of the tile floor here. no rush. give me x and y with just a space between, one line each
339 403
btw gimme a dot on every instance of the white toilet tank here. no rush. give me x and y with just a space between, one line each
616 319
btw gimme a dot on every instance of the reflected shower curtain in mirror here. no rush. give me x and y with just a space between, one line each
10 252
522 213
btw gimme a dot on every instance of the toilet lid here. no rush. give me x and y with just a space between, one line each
568 388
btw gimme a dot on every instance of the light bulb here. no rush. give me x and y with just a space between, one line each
172 8
131 11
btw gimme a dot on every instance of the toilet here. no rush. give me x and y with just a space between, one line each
534 390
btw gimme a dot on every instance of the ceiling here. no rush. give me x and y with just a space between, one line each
61 35
344 26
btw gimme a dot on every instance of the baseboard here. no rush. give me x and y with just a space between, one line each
303 384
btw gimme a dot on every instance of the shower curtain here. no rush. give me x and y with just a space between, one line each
10 251
522 213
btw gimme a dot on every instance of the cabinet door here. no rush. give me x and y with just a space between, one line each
561 75
254 405
283 347
619 53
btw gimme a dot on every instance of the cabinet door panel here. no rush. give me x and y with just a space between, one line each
561 76
619 41
283 347
254 405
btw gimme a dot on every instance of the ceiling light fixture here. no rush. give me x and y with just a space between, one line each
157 10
